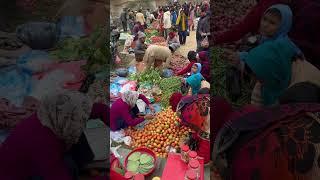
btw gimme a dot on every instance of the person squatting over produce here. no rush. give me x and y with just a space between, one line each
124 111
155 56
182 23
140 46
42 145
173 41
271 61
194 81
304 32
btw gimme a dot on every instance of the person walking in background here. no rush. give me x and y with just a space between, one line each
182 23
203 28
174 16
191 18
123 18
166 22
131 20
140 17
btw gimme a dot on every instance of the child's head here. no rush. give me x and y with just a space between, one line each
196 68
276 21
192 56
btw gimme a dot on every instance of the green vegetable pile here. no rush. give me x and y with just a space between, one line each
219 80
140 163
92 48
169 86
149 76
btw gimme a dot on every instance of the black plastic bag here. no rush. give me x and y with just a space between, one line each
38 35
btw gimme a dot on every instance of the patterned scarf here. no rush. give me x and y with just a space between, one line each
130 97
66 114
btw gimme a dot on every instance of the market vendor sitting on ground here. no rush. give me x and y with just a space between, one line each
40 146
202 58
271 61
124 112
158 57
193 82
173 41
140 47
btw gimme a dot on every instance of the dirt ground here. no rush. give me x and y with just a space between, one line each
191 45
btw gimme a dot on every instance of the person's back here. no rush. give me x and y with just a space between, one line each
32 150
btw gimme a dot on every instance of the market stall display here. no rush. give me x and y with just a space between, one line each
141 161
160 134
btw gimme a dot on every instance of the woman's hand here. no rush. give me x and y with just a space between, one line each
148 116
232 56
152 108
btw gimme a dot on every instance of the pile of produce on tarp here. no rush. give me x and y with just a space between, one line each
169 86
178 62
160 134
92 48
157 39
228 13
220 66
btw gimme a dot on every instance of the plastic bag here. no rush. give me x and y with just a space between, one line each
205 42
132 69
35 61
120 80
38 35
71 26
15 84
167 73
129 86
115 89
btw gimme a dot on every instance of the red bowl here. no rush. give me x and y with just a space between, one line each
143 151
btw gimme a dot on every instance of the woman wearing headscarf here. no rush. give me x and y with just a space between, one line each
304 32
271 61
124 112
182 23
38 145
195 112
173 41
280 142
194 81
140 46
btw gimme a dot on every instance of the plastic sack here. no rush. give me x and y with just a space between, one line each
115 89
15 84
120 80
128 41
129 86
205 42
71 26
132 69
51 83
141 105
167 73
122 72
35 61
38 35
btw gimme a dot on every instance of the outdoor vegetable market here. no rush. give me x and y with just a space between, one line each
159 90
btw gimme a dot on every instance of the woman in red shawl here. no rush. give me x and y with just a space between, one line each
279 142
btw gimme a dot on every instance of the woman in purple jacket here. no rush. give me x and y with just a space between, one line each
37 146
124 112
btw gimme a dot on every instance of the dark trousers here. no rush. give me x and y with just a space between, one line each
182 38
124 25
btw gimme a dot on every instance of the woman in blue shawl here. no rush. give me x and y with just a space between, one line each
194 81
271 61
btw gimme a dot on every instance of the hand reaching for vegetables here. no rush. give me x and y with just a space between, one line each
148 117
152 108
232 56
